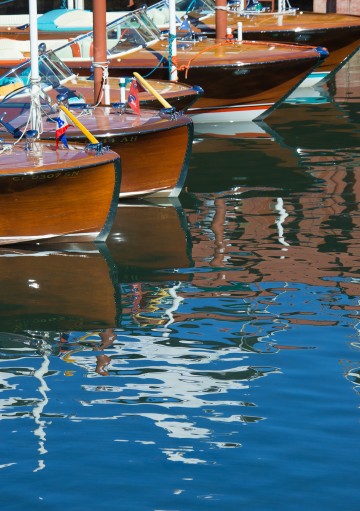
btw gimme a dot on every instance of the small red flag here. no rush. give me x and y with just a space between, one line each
133 99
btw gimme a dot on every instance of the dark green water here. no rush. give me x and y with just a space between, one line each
230 376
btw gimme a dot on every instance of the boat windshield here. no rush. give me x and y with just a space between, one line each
52 73
125 34
201 6
15 110
243 7
159 12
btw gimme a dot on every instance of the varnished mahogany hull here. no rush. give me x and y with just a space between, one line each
154 155
155 163
55 194
12 32
339 34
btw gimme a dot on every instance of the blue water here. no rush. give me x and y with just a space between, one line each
233 378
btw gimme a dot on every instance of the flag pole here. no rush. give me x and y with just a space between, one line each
36 120
220 19
77 123
172 41
152 91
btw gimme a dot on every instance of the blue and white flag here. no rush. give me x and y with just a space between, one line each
62 126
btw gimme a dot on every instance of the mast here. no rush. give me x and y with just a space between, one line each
35 114
220 18
100 58
172 41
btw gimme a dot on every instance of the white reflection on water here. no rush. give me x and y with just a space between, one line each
39 408
279 208
177 379
192 386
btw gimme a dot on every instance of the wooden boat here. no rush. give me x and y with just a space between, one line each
56 27
50 192
157 169
155 147
62 194
15 71
242 79
237 79
338 33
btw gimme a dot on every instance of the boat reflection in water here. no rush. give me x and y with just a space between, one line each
187 327
79 287
194 301
335 103
110 313
273 230
345 89
240 150
312 187
58 308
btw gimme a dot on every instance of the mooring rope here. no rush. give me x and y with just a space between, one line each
156 67
105 75
186 67
172 60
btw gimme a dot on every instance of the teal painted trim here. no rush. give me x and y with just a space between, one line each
47 22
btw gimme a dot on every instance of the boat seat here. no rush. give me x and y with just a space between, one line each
77 18
65 52
10 45
159 16
10 87
59 20
87 48
11 54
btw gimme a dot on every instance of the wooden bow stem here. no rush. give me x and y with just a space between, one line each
151 89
